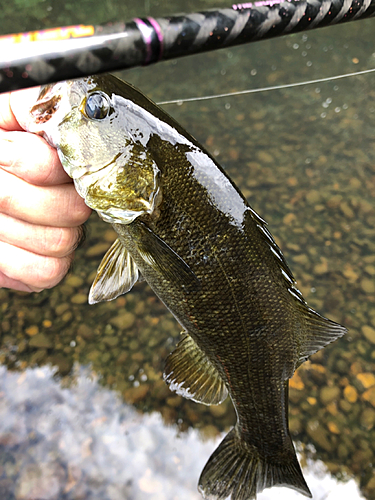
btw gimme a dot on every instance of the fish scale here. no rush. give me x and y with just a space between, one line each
184 226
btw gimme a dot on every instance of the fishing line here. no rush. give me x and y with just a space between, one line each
265 89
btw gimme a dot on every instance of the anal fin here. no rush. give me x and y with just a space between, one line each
191 374
116 274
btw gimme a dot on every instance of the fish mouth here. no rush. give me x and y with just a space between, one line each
47 104
45 108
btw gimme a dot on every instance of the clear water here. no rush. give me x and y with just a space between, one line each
84 413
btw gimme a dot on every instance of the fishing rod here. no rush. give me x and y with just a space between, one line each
39 57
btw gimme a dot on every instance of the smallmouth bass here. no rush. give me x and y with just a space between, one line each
184 226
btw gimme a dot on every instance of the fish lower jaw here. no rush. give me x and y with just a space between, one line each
118 215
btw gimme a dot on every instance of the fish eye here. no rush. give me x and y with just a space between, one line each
97 106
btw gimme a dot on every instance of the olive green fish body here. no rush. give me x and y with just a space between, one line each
185 227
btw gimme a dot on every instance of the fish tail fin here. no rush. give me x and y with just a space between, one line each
237 470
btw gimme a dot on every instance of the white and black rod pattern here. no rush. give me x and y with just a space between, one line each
149 40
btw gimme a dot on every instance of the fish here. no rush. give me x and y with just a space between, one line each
185 227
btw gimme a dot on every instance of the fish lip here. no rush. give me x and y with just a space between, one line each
47 105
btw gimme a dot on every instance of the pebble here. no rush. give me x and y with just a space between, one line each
367 379
333 428
79 298
265 157
346 210
61 308
296 382
32 330
328 394
369 396
85 331
124 320
74 281
208 432
289 218
322 267
135 394
148 484
369 332
97 250
218 410
41 340
349 273
110 341
367 418
319 435
350 394
368 285
313 197
41 481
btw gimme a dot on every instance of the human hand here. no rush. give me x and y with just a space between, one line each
41 215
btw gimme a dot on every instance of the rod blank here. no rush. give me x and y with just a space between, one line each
148 40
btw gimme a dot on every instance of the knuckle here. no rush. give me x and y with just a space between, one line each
51 272
5 203
80 210
60 242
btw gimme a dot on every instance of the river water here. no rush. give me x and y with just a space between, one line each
84 412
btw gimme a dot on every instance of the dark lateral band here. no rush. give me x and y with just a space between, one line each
153 38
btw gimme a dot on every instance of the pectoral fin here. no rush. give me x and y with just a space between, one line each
191 374
160 256
116 275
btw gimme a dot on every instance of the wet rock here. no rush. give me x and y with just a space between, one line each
313 197
328 394
209 432
85 331
369 396
135 394
97 250
296 382
32 330
368 285
366 379
289 218
79 298
350 394
124 320
369 332
346 210
74 281
319 435
149 484
332 427
218 410
110 341
322 267
63 363
317 373
295 425
41 340
367 418
61 308
40 481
